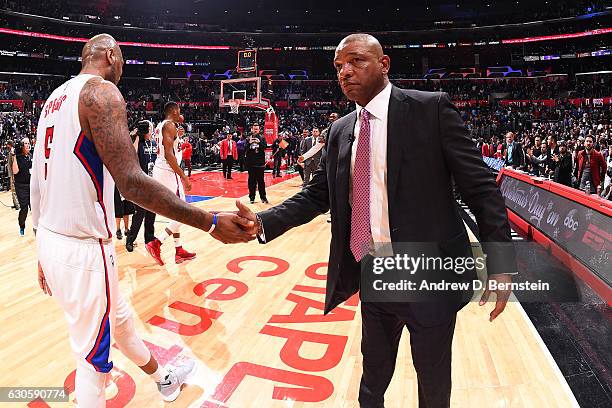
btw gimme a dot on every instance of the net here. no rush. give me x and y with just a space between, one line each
234 105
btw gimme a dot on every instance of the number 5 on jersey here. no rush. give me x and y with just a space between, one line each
48 142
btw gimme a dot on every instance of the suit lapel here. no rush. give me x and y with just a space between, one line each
396 130
343 172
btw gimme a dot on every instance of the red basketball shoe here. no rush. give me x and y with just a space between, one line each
154 249
182 255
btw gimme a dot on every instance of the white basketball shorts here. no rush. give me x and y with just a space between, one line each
169 179
82 275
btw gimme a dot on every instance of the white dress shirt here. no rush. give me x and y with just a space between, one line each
379 202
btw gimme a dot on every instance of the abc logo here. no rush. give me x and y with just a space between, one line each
569 221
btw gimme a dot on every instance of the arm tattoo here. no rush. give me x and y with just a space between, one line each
104 118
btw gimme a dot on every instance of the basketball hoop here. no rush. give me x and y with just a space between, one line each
234 105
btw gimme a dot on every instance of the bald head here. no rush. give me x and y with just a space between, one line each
102 56
362 67
366 40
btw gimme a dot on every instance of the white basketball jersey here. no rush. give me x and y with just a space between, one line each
76 189
161 161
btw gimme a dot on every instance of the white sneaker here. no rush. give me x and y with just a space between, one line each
170 387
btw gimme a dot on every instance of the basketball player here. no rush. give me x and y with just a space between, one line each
168 172
84 147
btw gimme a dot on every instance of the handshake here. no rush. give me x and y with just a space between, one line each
236 226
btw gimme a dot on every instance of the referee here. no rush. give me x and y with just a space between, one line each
147 153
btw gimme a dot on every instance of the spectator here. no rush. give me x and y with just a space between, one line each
591 168
256 162
278 152
21 167
310 165
229 153
513 152
241 146
123 209
563 168
187 152
146 148
538 160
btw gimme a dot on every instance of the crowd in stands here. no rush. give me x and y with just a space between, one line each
152 90
322 18
564 121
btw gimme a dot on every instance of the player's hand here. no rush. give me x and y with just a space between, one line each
501 295
246 213
187 183
232 229
42 282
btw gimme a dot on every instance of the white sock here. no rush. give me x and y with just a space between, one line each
162 237
177 242
159 374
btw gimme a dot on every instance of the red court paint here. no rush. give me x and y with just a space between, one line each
212 183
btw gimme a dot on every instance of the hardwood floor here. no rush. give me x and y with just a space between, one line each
251 316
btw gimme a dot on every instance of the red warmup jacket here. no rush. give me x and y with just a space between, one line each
186 149
487 150
225 149
598 166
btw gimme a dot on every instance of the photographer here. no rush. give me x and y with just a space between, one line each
21 166
256 163
10 182
147 153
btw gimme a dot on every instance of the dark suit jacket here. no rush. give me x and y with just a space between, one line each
563 170
425 132
518 156
305 146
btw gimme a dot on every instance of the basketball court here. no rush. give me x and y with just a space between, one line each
251 316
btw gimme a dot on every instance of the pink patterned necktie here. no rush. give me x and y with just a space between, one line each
361 234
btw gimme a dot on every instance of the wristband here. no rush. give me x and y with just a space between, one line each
214 224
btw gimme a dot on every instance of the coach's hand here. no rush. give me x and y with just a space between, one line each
42 282
246 213
501 295
232 229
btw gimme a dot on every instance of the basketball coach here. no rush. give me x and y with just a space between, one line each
386 176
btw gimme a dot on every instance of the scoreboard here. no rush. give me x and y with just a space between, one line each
247 61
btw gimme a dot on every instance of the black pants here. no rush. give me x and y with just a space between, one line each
300 171
188 166
227 166
149 220
382 325
309 169
277 164
23 196
241 161
256 180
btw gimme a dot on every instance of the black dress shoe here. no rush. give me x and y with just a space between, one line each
129 246
119 235
265 201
